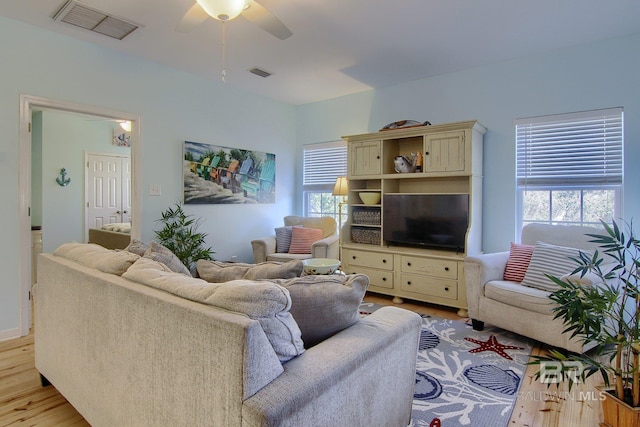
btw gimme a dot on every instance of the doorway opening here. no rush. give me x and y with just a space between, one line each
29 104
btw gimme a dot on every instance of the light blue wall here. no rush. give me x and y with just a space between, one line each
173 106
587 77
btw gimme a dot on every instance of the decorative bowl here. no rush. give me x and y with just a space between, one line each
320 265
370 198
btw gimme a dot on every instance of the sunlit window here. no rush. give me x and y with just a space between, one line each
569 167
323 164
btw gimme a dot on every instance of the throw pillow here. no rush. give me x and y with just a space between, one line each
518 262
159 253
323 305
157 275
553 260
86 254
283 239
137 247
117 262
95 256
264 301
219 272
302 238
269 304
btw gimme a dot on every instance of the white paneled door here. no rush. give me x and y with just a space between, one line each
108 190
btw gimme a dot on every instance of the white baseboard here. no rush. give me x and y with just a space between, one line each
9 334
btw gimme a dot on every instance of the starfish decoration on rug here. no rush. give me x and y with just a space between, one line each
492 344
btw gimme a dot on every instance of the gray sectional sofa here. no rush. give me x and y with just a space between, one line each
130 343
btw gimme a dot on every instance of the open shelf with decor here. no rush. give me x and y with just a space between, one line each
411 240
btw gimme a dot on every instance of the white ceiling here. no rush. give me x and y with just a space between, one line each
341 47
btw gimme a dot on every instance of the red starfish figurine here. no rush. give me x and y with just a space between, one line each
492 344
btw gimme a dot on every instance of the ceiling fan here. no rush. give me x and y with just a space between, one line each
226 10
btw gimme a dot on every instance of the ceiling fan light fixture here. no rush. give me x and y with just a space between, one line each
125 125
223 10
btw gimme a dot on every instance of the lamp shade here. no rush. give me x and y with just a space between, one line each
342 186
223 10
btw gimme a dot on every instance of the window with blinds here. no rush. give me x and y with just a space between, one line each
570 149
322 165
569 167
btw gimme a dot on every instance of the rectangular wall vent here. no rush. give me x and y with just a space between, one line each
89 18
259 72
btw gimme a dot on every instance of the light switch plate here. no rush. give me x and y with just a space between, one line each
155 190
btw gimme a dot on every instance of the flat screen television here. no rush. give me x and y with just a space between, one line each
437 221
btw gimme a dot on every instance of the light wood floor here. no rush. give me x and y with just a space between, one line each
23 401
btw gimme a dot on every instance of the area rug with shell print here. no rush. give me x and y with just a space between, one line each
466 377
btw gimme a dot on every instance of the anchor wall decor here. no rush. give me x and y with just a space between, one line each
62 180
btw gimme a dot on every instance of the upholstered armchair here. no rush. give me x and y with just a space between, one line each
326 245
496 298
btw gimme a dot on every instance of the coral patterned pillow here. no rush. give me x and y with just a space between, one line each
518 262
302 238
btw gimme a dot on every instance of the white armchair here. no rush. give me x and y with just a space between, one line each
264 249
513 306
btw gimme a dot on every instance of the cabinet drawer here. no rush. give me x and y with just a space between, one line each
378 278
367 259
446 269
429 286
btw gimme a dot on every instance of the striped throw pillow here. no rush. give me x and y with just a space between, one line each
518 262
302 238
283 239
553 260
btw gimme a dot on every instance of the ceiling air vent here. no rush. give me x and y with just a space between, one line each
259 72
89 18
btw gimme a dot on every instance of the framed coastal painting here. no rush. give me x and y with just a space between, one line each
213 174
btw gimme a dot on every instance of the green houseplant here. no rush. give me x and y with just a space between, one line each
180 235
604 314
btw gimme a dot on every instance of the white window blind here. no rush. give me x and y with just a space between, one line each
324 162
583 148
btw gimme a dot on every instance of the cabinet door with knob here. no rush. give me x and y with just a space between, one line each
444 152
365 158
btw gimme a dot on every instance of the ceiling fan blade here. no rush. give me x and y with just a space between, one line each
194 17
266 20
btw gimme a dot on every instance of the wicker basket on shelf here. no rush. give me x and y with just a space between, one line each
365 235
366 216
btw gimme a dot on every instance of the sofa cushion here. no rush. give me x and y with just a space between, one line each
264 301
302 238
518 262
218 272
137 247
283 239
269 304
157 275
516 295
159 253
323 305
553 260
98 257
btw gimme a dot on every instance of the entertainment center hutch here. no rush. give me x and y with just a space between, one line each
452 164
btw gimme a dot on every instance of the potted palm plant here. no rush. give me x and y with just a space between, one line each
180 235
605 315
